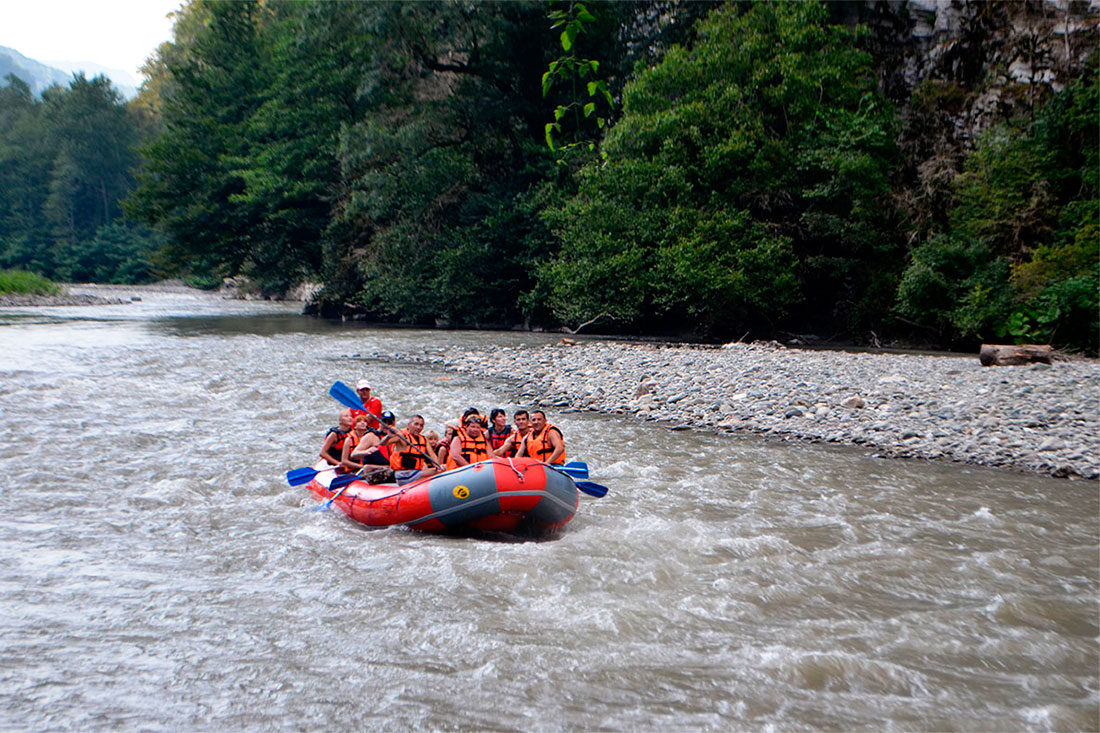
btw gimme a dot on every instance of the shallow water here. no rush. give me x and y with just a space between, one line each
159 573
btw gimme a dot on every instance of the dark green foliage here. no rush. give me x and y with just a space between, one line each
189 181
746 181
290 171
1021 256
65 163
588 99
397 152
442 168
118 253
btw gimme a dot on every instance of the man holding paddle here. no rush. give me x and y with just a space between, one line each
373 405
411 458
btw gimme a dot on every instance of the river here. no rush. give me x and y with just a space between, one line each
158 573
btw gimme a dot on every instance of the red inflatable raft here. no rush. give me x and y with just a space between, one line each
498 495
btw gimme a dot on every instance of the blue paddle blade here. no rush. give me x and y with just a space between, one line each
591 489
576 469
300 476
346 396
344 480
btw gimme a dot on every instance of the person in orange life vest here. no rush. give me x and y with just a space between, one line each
522 419
387 433
332 450
373 404
354 458
545 442
367 449
469 445
460 426
499 432
411 454
523 427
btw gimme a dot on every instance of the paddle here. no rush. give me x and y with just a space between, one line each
573 469
299 476
343 482
347 397
590 488
579 470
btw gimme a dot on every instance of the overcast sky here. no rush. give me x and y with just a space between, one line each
117 34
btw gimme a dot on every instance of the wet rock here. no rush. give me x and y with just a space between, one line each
1051 444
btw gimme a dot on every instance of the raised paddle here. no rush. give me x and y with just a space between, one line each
347 397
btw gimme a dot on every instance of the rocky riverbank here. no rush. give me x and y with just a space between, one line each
70 299
78 294
1042 418
74 294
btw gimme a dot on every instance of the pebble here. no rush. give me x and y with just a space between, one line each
944 407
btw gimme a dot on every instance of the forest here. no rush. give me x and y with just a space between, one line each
705 170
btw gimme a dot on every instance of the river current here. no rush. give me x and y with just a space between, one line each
158 572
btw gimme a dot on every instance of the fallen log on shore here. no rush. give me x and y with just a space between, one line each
1008 355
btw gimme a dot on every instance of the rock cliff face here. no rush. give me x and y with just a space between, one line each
955 68
990 48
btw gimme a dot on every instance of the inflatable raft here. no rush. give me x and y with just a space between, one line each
498 495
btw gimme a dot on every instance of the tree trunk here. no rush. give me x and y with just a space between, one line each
1002 355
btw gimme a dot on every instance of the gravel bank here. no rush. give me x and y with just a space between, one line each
1033 418
12 301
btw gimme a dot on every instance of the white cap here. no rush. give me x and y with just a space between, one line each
362 384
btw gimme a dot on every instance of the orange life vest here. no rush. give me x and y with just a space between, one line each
472 449
540 447
405 458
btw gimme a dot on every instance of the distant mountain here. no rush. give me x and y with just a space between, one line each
126 84
40 75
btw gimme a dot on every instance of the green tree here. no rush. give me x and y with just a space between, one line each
575 73
191 178
437 218
747 178
291 172
67 161
25 162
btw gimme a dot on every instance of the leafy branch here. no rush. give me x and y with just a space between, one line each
574 71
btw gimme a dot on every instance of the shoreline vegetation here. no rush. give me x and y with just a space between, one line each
707 170
1038 418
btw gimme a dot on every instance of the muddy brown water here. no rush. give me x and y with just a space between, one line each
158 573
